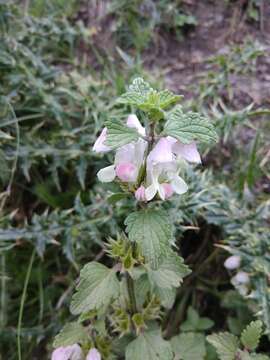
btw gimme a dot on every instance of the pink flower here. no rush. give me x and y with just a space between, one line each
133 122
188 152
232 262
168 190
140 193
99 145
162 152
93 354
126 172
73 352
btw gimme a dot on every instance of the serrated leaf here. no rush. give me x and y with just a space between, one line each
137 93
226 345
152 230
72 333
250 337
167 98
118 134
149 346
170 273
189 126
166 296
247 356
97 288
196 323
189 346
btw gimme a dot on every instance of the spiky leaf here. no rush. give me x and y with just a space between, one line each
189 126
149 346
152 230
72 333
98 286
226 345
250 337
189 346
119 134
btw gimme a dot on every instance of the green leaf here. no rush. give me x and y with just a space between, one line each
170 273
152 230
137 93
97 288
189 346
166 296
114 198
72 333
195 323
167 98
247 356
149 346
119 134
189 126
226 345
250 337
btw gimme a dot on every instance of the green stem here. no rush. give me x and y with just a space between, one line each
131 293
26 282
3 292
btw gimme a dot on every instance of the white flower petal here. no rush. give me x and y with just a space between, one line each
106 174
188 152
150 192
73 352
99 145
125 154
162 152
178 184
93 354
232 262
133 122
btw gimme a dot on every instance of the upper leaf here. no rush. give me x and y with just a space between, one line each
149 346
189 126
225 344
149 100
152 230
170 273
119 134
72 333
98 286
250 337
189 346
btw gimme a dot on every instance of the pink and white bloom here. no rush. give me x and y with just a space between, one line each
162 172
99 146
188 152
140 193
134 122
232 262
72 352
93 354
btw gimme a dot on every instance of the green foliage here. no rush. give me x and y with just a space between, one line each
189 126
97 288
71 333
119 134
151 229
196 323
225 344
189 346
149 346
251 335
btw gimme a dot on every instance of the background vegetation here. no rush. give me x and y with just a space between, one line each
62 63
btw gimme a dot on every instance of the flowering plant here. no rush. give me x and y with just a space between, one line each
123 309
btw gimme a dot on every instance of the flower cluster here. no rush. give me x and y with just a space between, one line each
74 352
241 280
148 167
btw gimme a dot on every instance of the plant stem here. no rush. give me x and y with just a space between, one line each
131 293
26 281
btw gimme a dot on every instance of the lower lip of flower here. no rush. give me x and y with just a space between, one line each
126 172
168 190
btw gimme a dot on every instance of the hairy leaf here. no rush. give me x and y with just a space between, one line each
137 93
250 337
189 126
152 230
149 346
98 286
72 333
189 346
226 345
119 134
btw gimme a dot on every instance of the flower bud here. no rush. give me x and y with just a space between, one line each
99 145
73 352
126 172
232 262
93 354
133 122
140 193
242 277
